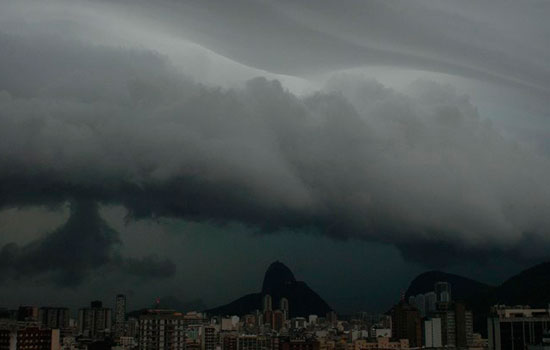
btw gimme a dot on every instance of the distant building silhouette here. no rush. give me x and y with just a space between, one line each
209 338
433 333
456 324
332 317
406 323
54 317
120 316
94 322
267 303
443 292
162 329
278 320
284 306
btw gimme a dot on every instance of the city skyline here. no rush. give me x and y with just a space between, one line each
441 323
442 311
177 148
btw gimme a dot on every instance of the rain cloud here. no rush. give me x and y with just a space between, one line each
420 168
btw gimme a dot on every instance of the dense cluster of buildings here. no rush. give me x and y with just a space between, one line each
431 320
435 320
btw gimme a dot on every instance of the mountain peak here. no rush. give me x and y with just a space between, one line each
277 275
462 287
279 282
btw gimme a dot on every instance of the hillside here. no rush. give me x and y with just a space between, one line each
529 287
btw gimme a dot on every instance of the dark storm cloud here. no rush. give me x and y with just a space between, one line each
530 248
82 245
420 169
150 267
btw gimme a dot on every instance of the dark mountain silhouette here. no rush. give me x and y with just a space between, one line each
461 287
279 282
277 274
529 287
475 294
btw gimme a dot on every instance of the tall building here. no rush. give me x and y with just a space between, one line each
443 292
267 309
54 317
419 301
432 333
120 315
230 342
267 303
517 328
132 327
268 318
421 304
406 323
332 317
284 306
94 322
209 339
278 320
162 330
456 325
29 338
464 325
430 300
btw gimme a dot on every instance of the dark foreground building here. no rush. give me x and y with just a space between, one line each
29 338
406 323
517 328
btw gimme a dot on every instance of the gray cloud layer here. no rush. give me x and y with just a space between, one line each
505 43
419 169
122 126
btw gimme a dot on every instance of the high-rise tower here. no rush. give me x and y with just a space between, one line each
267 303
283 305
120 315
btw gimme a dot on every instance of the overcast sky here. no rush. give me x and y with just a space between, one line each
179 147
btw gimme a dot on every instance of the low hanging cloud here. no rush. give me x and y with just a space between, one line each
82 245
101 125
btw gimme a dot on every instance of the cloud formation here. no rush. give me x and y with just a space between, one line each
93 124
82 245
469 39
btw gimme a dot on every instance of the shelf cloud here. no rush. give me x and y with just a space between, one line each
96 124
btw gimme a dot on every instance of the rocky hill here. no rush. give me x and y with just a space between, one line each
279 282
